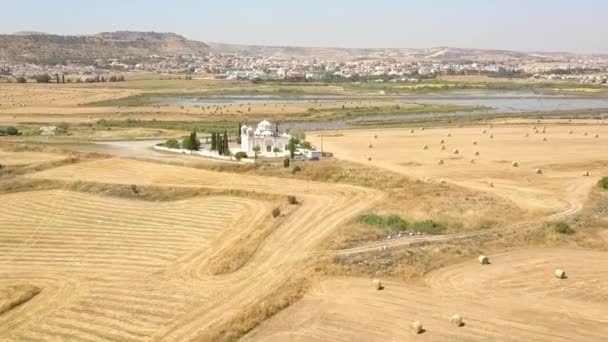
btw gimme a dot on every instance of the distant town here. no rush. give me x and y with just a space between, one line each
105 57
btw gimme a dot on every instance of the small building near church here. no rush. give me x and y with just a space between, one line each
267 137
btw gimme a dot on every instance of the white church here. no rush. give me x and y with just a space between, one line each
267 137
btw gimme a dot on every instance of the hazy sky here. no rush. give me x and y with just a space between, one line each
555 25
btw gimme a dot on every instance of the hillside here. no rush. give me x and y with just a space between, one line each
29 47
438 54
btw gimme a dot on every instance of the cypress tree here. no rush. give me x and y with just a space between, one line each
292 148
220 144
213 141
238 134
225 147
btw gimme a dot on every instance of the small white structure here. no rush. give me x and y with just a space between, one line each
267 137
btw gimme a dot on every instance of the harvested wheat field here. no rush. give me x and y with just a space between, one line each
515 298
487 156
113 269
11 158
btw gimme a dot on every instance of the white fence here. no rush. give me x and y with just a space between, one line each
206 154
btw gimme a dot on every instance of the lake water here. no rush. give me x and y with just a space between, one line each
501 102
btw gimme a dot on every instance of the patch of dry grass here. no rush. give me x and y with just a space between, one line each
13 296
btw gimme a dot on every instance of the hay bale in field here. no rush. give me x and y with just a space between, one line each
456 320
449 134
483 260
416 327
545 139
456 151
476 153
426 147
586 133
560 274
369 158
474 142
527 135
586 174
570 132
377 284
491 136
422 128
440 162
472 161
536 131
370 146
539 171
442 141
442 181
597 135
411 131
491 184
442 147
375 136
484 131
514 164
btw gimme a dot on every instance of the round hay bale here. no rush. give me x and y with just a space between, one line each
472 161
491 136
442 147
539 171
586 133
375 136
411 131
369 158
536 131
474 142
483 260
527 135
586 174
442 141
491 184
456 151
514 164
426 147
484 131
416 327
597 135
442 181
377 284
427 179
422 128
545 139
533 127
449 134
456 320
570 132
560 274
476 153
370 146
440 162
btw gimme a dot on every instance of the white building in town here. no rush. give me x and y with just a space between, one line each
267 137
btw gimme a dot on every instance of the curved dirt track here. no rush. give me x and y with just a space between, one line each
515 298
138 268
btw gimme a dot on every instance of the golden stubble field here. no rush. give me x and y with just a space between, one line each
548 175
123 269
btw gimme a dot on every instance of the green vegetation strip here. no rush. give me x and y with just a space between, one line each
395 223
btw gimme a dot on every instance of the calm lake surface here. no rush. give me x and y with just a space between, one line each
500 102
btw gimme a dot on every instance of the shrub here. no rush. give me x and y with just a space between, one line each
276 212
391 222
292 200
172 143
240 155
134 189
21 79
604 183
296 169
563 228
428 227
11 131
286 162
307 145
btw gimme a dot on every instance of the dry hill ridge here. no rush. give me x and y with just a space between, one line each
31 47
